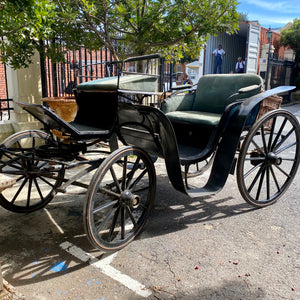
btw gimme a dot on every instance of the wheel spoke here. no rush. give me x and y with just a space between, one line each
255 179
124 173
141 189
42 164
29 193
283 140
257 147
275 179
252 170
138 179
278 135
46 181
131 216
19 144
116 181
123 222
282 171
113 225
288 159
33 142
106 205
11 160
18 191
272 134
263 138
268 181
38 189
255 159
286 147
134 169
106 219
109 192
260 184
20 178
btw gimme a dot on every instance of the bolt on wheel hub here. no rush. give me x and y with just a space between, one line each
130 199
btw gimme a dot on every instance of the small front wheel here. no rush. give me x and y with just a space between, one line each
120 198
269 158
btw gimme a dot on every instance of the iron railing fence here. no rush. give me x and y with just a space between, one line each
282 73
5 109
59 79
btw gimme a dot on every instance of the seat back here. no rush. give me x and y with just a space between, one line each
96 109
213 91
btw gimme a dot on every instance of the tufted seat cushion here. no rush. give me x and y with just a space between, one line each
213 94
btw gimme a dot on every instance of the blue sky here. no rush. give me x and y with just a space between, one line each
270 12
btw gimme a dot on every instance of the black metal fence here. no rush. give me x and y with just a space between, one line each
5 109
59 79
282 73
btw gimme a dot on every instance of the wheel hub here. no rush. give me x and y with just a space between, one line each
130 199
274 159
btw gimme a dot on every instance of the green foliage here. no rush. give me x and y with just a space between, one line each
173 28
23 24
243 17
291 37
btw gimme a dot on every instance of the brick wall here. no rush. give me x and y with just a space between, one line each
3 92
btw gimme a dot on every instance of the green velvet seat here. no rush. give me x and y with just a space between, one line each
206 106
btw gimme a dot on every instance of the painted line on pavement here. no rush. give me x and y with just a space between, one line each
53 221
104 266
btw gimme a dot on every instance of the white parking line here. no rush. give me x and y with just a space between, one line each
53 221
104 266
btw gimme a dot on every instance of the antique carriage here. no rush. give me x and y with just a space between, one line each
213 126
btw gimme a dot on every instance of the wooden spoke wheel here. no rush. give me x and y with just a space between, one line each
36 179
120 198
269 158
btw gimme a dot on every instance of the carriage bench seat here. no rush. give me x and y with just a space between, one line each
214 92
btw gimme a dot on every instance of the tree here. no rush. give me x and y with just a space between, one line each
23 24
291 37
242 17
125 27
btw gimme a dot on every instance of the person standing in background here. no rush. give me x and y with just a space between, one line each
186 79
219 54
240 66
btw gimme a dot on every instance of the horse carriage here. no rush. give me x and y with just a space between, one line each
213 126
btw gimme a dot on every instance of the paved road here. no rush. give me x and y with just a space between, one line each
212 248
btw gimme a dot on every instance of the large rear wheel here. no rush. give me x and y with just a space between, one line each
269 158
120 198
